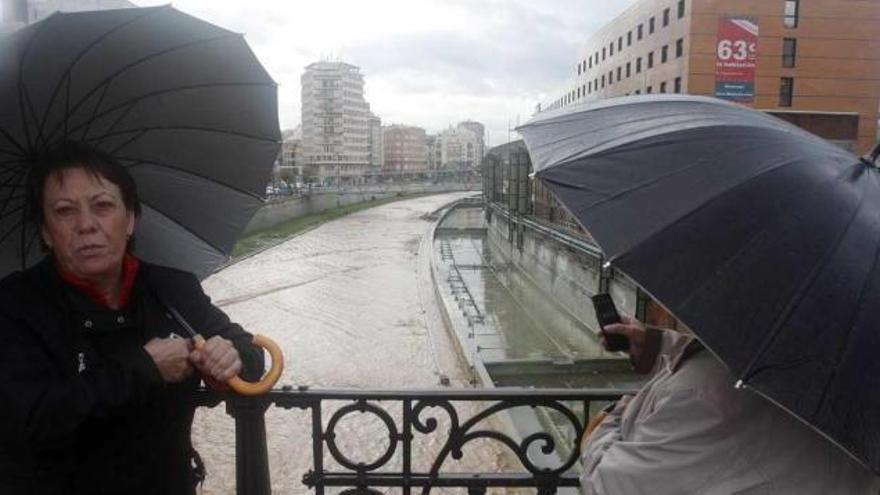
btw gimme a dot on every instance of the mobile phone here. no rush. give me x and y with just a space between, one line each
606 314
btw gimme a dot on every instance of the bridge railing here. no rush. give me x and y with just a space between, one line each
545 450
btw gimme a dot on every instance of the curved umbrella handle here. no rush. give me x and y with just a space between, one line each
270 378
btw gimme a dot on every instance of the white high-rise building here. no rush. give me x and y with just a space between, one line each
456 148
336 122
479 131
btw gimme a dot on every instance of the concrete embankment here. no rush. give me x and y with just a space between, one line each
281 210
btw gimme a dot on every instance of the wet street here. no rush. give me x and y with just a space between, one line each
352 306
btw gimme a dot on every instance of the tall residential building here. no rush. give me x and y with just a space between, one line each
479 131
376 142
405 148
456 148
811 62
335 121
18 13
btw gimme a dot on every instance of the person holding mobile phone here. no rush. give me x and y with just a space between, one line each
689 431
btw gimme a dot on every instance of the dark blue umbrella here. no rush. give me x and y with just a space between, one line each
761 237
184 104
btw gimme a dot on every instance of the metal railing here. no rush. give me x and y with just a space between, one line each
548 459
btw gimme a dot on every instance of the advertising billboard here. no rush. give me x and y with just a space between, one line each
736 54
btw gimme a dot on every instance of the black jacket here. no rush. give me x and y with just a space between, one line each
83 408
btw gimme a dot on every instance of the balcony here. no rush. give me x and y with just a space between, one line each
544 445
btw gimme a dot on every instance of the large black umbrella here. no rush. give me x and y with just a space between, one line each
183 103
761 237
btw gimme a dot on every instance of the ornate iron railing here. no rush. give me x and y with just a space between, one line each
548 458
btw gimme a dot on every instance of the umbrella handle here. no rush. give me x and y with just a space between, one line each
269 379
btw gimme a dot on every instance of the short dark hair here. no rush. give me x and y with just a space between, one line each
75 154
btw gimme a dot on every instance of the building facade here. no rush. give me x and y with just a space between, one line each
456 148
335 122
376 142
405 149
479 131
811 62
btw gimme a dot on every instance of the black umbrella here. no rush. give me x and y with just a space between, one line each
761 237
183 103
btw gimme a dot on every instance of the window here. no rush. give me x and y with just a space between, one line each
650 90
629 38
789 52
579 93
664 54
651 26
611 49
628 67
620 43
665 17
597 57
603 80
679 48
680 9
590 87
638 65
790 15
610 77
579 68
640 31
651 60
786 90
663 87
638 92
596 84
677 85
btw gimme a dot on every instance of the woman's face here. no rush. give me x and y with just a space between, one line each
86 224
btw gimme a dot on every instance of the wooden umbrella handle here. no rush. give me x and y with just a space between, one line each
269 379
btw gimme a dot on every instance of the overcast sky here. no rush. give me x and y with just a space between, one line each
430 63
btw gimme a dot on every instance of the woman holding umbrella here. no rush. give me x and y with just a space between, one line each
95 378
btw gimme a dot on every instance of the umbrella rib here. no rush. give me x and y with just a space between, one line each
144 130
869 281
23 153
141 161
110 78
630 137
184 227
699 207
21 86
173 90
733 257
78 58
748 372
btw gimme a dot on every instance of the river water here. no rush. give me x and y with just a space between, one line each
352 306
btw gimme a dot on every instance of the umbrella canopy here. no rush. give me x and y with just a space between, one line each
759 236
184 104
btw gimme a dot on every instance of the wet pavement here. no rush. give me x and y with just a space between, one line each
352 306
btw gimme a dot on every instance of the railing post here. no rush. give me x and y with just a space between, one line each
251 453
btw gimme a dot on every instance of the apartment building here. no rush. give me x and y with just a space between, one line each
405 149
811 62
336 122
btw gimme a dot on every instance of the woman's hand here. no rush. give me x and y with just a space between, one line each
171 357
217 359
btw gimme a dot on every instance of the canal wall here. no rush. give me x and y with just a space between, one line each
277 212
567 269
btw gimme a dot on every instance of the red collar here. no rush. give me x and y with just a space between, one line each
130 266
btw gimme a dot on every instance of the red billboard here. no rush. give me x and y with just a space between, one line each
736 55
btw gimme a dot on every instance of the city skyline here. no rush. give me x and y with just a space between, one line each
426 63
